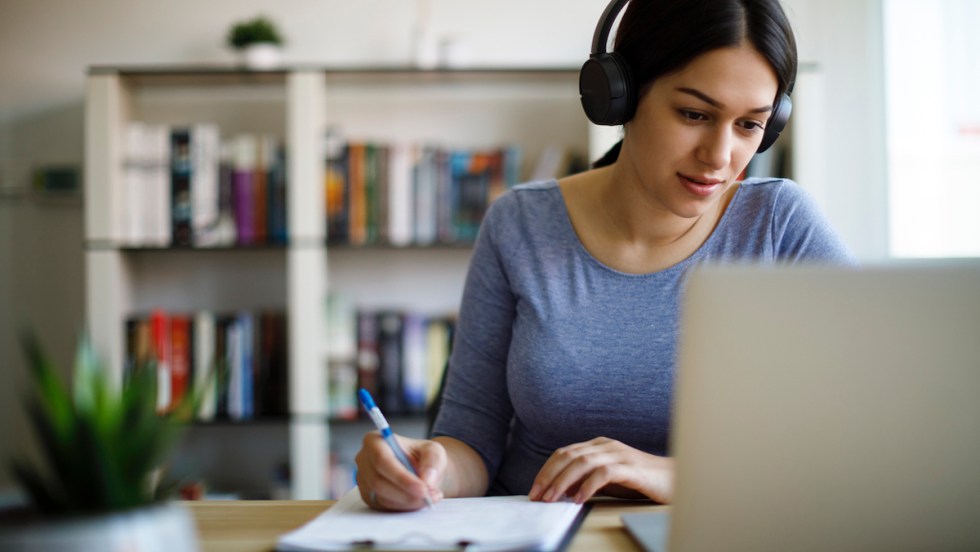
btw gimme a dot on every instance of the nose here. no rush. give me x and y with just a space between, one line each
715 149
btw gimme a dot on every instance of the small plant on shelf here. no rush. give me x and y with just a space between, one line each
258 41
259 30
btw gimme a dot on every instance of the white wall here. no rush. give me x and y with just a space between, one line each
844 39
46 45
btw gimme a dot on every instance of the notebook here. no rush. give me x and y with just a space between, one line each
826 409
486 523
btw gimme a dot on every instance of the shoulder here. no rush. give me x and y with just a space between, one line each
532 202
777 197
794 222
771 190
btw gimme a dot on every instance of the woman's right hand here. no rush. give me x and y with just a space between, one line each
385 484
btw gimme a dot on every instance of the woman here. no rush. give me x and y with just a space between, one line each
561 377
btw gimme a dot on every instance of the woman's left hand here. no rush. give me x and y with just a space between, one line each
583 469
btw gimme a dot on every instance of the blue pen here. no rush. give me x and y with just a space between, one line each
382 424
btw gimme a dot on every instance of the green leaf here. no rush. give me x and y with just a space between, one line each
46 499
51 392
100 443
57 448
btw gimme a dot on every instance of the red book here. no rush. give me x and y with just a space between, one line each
180 359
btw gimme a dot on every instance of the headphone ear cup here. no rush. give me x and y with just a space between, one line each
607 90
777 122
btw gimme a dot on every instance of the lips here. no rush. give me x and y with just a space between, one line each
700 186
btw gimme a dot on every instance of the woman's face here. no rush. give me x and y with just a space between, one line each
695 130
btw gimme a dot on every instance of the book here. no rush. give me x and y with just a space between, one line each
157 215
426 196
160 339
204 364
243 187
337 189
278 223
358 213
390 366
205 166
367 351
271 387
223 330
265 159
180 187
133 196
486 523
226 232
437 356
414 369
400 204
180 359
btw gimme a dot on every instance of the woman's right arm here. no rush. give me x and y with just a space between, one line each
475 414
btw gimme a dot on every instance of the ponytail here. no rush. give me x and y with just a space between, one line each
609 157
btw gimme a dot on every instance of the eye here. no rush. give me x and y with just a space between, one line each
751 126
692 115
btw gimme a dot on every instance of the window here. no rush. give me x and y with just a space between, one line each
932 72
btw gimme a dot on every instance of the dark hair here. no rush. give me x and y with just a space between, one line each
658 37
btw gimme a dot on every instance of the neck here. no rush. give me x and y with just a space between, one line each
636 218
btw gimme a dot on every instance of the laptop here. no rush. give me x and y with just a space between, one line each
822 408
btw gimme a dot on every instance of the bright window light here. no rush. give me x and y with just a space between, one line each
932 64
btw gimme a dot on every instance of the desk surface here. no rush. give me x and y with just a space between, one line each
254 525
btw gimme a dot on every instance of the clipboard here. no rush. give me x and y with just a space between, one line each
495 523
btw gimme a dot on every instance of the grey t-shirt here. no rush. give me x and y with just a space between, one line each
553 347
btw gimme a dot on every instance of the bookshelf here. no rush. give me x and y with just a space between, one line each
536 108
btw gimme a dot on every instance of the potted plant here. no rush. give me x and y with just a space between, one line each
258 41
102 445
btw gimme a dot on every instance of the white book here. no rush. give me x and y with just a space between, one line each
157 207
414 337
205 369
400 196
205 163
132 194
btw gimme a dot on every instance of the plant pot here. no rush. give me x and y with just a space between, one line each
157 528
261 55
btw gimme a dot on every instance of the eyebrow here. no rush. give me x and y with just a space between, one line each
715 103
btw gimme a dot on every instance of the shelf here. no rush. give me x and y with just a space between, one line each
484 107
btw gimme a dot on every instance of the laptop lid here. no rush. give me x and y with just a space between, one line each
824 408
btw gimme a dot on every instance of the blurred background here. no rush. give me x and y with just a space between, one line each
888 137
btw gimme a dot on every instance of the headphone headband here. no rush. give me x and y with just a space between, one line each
601 37
609 95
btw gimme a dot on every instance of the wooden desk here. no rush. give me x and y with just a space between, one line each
254 525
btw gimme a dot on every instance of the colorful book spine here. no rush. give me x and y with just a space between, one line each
180 187
337 190
243 193
390 367
180 360
278 222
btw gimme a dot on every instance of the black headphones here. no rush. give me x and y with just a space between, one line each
609 94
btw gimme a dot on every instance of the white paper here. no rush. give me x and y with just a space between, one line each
486 523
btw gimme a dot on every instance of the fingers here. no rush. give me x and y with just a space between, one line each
604 465
385 484
568 466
